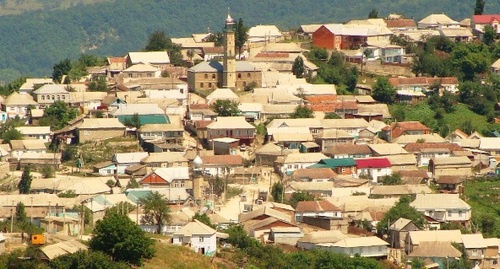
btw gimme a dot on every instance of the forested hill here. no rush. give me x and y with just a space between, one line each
33 41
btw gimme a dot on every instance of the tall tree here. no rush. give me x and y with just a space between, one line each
478 10
60 69
383 91
240 36
24 185
159 40
11 134
226 108
373 14
298 197
156 210
118 236
133 121
489 35
277 192
20 213
298 67
57 115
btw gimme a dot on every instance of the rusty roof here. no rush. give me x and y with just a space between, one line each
316 206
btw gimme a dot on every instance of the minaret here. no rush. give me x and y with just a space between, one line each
229 73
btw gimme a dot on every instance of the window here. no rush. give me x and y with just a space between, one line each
213 76
239 75
248 75
53 97
201 85
460 213
206 76
201 239
244 83
43 97
58 97
210 84
449 213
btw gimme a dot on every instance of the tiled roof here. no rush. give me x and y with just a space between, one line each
439 201
416 147
373 163
101 123
413 173
435 249
317 173
444 179
230 123
323 98
342 162
271 55
485 19
222 160
316 206
348 149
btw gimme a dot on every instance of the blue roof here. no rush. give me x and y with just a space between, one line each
342 162
147 119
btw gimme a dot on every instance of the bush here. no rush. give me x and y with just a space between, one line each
48 171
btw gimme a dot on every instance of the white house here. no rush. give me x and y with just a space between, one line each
18 104
294 161
315 209
375 168
198 236
37 132
124 160
443 207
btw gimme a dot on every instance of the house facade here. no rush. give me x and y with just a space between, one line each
95 129
316 209
375 168
233 127
443 207
198 236
49 93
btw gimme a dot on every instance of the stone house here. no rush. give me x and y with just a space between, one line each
95 129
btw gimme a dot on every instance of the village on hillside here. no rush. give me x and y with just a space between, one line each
241 136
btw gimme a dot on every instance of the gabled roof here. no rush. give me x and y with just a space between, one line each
399 224
471 241
401 190
439 201
460 160
263 31
344 123
355 149
418 237
485 18
311 174
429 138
266 211
129 157
373 163
401 23
340 162
316 206
149 57
230 123
309 28
322 237
435 249
352 242
437 19
101 123
51 89
334 134
269 148
141 68
311 186
420 147
62 248
284 123
195 227
489 143
402 159
164 157
387 149
166 174
222 94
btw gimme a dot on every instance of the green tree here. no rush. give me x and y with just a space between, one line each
490 34
417 264
11 134
48 171
401 209
60 69
159 41
133 121
298 67
98 85
57 115
156 210
217 38
119 237
226 108
332 115
86 259
298 197
20 213
203 218
394 179
24 185
302 112
132 184
277 192
479 8
373 14
240 36
383 91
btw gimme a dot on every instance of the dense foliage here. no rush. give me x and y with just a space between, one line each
401 209
119 237
226 108
116 27
156 210
24 185
483 196
58 115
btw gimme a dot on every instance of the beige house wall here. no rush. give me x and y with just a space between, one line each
98 134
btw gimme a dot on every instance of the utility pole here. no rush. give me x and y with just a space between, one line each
31 213
12 218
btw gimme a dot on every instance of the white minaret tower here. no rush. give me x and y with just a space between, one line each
229 73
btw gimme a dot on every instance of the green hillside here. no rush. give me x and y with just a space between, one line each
33 41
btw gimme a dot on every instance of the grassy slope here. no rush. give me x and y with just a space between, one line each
423 113
484 198
177 257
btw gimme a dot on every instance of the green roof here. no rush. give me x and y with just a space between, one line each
343 162
147 119
135 195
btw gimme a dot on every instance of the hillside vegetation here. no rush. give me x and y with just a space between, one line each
60 29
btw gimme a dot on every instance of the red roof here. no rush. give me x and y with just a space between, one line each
349 105
199 106
322 98
399 128
233 160
214 50
485 19
321 107
116 60
316 206
199 124
422 81
373 163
